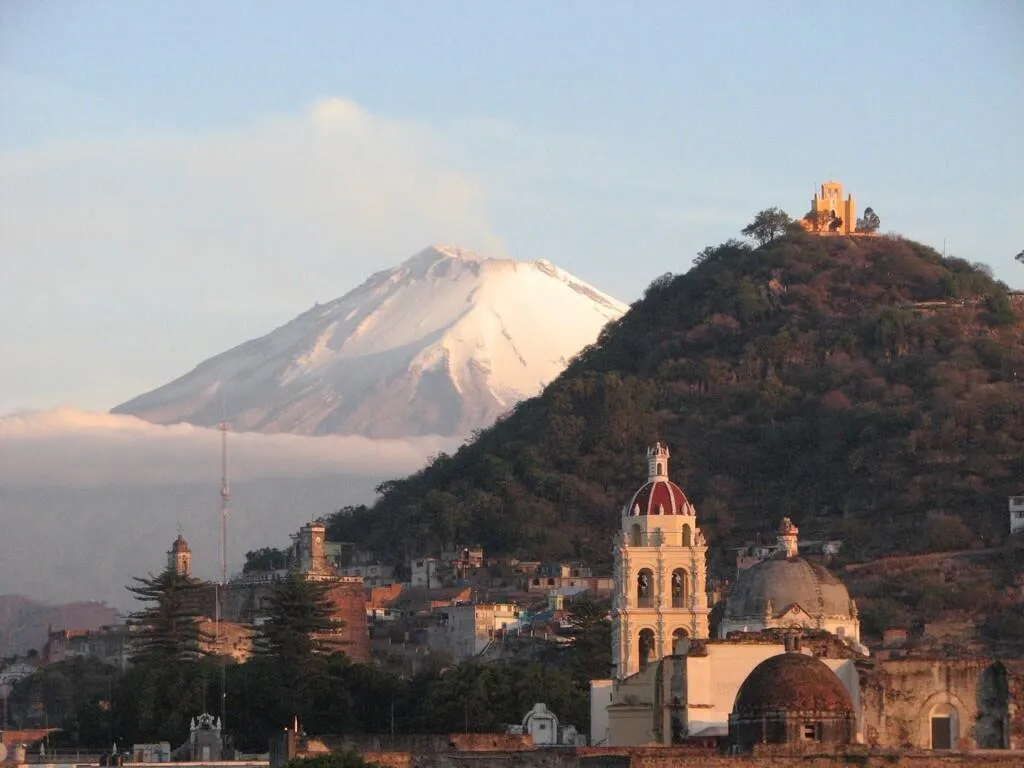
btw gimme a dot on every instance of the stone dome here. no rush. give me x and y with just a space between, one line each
792 682
774 586
180 545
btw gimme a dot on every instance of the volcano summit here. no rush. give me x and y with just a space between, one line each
443 344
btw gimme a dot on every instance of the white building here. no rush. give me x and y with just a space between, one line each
372 574
542 725
1016 514
466 630
423 572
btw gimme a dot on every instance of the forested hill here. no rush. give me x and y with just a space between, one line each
866 387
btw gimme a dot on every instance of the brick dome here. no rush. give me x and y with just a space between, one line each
792 682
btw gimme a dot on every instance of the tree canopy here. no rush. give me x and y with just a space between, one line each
166 626
869 222
767 225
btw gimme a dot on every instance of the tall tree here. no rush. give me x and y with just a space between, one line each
298 633
767 225
167 628
869 222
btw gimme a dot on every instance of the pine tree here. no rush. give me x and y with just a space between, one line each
297 635
167 628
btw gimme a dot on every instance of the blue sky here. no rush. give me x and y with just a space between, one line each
181 176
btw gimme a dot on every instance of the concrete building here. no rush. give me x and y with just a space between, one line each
1016 506
372 574
423 573
466 630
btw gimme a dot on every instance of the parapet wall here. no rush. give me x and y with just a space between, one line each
669 757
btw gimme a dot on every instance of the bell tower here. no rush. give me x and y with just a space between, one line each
660 572
179 557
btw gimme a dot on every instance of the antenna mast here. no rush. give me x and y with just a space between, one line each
225 494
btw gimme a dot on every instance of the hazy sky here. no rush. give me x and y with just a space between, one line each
177 177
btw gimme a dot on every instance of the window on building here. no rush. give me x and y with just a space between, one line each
635 535
812 732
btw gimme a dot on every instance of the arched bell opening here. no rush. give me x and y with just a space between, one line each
645 588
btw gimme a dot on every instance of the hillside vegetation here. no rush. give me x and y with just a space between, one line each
866 387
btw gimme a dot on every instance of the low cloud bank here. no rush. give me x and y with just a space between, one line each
88 500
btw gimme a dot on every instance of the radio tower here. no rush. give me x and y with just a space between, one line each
225 494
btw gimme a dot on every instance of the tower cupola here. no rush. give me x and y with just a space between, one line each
657 462
179 557
789 538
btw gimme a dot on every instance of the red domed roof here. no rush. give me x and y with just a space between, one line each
792 682
659 497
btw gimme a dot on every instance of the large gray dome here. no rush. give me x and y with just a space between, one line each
775 585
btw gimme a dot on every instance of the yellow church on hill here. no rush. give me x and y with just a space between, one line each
830 214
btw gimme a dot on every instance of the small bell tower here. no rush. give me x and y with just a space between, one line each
179 558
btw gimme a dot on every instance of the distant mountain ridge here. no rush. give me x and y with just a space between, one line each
24 622
442 344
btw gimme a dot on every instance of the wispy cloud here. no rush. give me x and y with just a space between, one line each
88 500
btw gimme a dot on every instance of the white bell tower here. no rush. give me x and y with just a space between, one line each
660 572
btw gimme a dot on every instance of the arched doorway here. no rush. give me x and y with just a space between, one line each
680 587
944 726
646 647
645 588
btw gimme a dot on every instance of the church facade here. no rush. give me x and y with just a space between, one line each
786 666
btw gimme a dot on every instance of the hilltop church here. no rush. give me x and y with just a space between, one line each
787 666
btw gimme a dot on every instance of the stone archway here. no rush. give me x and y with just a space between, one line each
991 730
940 724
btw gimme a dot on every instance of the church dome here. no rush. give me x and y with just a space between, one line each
775 586
792 682
659 495
180 545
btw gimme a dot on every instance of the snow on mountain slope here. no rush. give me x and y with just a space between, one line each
442 344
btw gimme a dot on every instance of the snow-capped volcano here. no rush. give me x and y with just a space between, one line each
442 344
